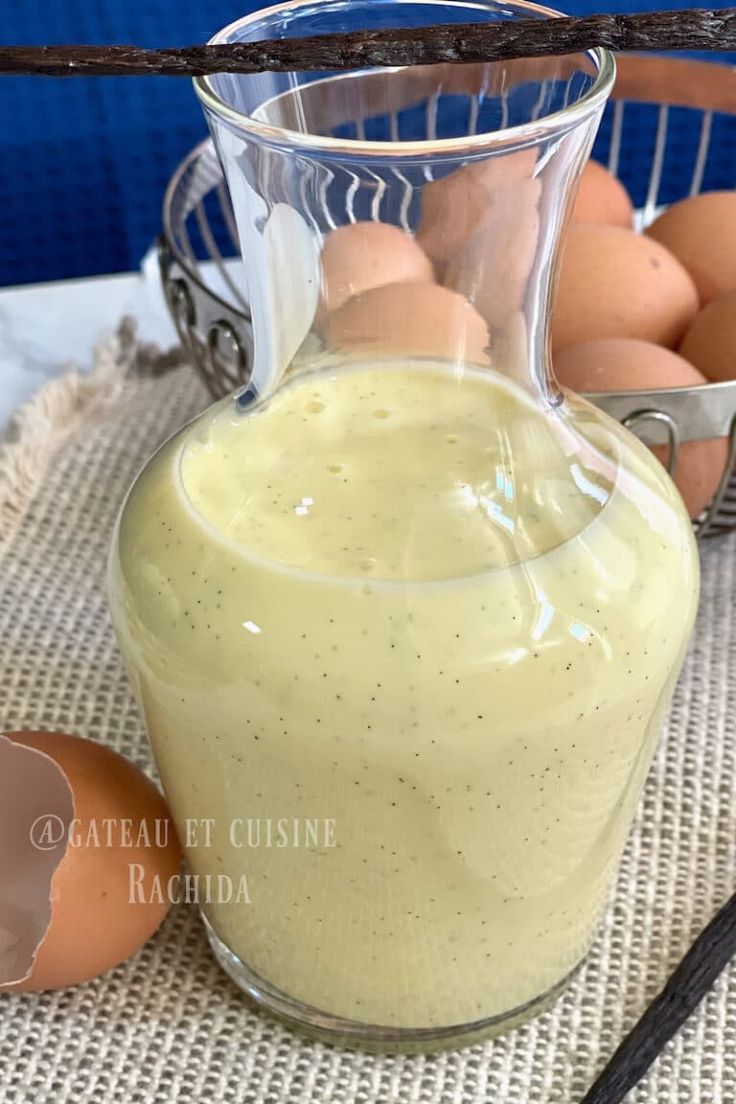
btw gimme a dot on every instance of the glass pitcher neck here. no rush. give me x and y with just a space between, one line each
407 213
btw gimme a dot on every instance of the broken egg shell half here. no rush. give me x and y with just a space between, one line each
36 812
110 890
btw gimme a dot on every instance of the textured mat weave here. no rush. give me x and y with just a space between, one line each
168 1025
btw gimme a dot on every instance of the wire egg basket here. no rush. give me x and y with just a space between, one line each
666 131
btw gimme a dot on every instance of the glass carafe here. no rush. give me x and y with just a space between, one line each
403 617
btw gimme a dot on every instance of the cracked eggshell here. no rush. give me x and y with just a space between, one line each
32 786
96 922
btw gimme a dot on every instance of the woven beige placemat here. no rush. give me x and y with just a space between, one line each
168 1025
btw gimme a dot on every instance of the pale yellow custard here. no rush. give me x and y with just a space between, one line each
409 602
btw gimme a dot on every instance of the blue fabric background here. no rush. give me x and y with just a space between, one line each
85 161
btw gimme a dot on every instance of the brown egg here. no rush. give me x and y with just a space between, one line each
121 841
421 320
701 233
602 198
364 255
629 365
615 283
492 269
710 343
455 205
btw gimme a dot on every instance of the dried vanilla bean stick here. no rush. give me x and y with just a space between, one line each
496 40
707 958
